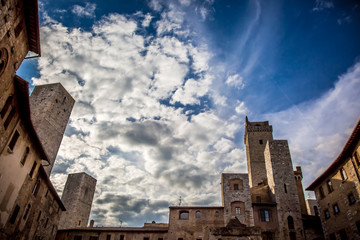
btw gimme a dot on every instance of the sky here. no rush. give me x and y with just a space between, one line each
162 89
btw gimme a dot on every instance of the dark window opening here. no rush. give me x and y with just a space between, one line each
160 239
26 211
343 235
326 214
285 188
336 208
292 235
184 215
46 222
108 237
38 217
121 237
9 118
332 236
94 238
290 222
36 188
356 157
236 186
77 237
267 235
358 226
32 170
25 155
79 223
4 57
14 140
265 215
351 199
180 239
321 192
146 238
19 28
258 199
216 214
6 106
14 214
329 186
316 211
261 141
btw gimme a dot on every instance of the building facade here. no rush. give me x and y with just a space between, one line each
337 191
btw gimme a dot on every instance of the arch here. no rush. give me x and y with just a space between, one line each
184 215
290 220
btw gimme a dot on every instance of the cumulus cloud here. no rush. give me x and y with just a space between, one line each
133 126
88 11
235 80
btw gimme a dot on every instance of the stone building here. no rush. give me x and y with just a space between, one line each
337 191
267 203
77 197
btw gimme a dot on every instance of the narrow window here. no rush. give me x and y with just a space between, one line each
343 174
36 188
198 214
358 226
290 222
321 192
343 235
258 199
292 235
184 215
47 191
316 211
356 157
46 222
180 239
336 208
285 188
326 214
236 186
351 199
26 211
261 141
160 238
79 223
25 155
237 211
329 186
216 214
32 170
77 237
38 217
265 215
18 28
6 106
332 236
108 237
146 238
121 237
14 140
198 239
9 118
14 214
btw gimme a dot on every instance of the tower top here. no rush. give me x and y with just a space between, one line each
257 126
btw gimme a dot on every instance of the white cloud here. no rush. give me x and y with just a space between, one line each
323 4
235 80
87 11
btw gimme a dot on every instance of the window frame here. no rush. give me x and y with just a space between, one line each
184 212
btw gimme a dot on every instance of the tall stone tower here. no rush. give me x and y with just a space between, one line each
77 197
282 184
300 190
51 107
256 136
236 198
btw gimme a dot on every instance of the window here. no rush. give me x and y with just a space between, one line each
108 237
343 174
336 208
329 186
321 193
216 214
46 222
326 214
121 237
146 238
36 188
14 140
9 118
18 28
267 235
160 239
237 211
343 235
265 215
184 215
78 237
332 236
25 155
198 239
197 214
4 57
356 158
261 141
180 239
290 222
316 211
351 199
358 226
236 186
14 214
32 170
39 215
285 188
94 238
7 104
26 211
292 235
258 199
79 223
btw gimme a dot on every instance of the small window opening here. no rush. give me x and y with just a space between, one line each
121 237
290 222
146 238
46 222
326 214
14 214
265 215
9 118
329 186
343 174
321 192
351 199
336 208
6 106
14 140
258 199
25 155
26 211
36 188
237 211
32 169
236 186
79 223
198 214
108 237
285 188
316 211
261 141
38 217
184 215
217 214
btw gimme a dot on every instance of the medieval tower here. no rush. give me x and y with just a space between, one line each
77 197
51 107
256 136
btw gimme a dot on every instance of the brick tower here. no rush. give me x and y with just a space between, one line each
300 190
51 107
256 136
77 197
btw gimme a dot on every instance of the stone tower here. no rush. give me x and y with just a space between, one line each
236 198
256 136
77 197
51 107
300 190
282 184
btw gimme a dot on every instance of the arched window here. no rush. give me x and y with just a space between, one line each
290 222
198 214
184 215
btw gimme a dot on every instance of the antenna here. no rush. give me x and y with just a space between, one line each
180 201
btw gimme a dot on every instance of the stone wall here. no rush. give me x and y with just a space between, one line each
51 107
77 197
241 196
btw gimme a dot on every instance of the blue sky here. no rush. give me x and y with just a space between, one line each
162 89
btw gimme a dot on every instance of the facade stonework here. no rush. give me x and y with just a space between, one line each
77 197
